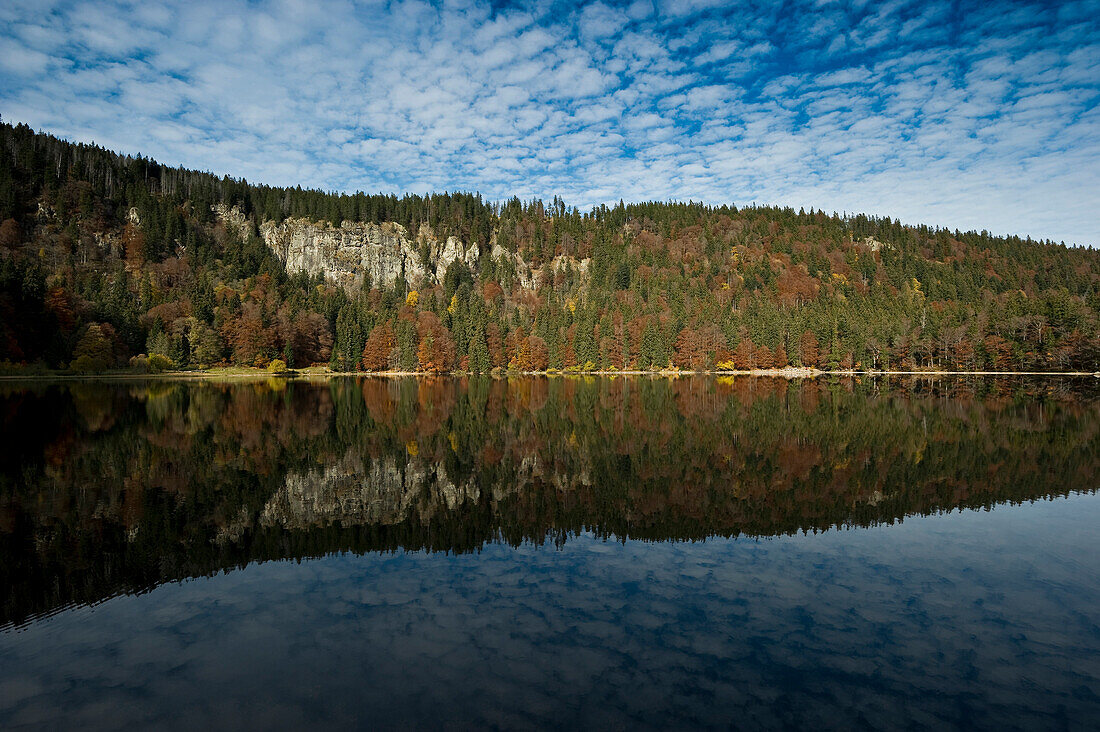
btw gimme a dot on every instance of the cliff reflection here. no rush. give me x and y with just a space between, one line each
117 488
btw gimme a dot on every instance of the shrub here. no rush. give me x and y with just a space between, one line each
140 364
21 369
158 362
87 364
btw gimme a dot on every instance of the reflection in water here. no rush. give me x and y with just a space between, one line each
500 490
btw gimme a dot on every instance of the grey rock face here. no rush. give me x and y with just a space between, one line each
231 218
357 253
348 255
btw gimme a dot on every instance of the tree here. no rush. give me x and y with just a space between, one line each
744 355
495 345
479 356
10 235
808 349
515 348
689 351
311 340
408 342
569 353
95 349
251 340
874 350
133 245
781 357
436 352
962 352
207 347
652 353
764 357
998 352
376 354
538 355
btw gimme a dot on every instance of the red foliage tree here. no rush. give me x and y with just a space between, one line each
436 352
251 340
10 234
963 353
538 355
60 304
380 342
689 352
569 353
133 245
780 360
491 291
495 344
808 349
312 340
744 355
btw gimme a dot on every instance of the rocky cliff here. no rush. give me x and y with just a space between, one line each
354 252
357 253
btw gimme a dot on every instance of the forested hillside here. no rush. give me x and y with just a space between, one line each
110 261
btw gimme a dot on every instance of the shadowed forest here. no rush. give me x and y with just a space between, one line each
109 489
112 262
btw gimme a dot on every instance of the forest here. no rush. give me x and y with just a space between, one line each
116 262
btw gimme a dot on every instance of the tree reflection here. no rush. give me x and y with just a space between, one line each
109 489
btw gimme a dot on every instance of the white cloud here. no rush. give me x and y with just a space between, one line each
983 118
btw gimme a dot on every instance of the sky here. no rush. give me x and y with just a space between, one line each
968 115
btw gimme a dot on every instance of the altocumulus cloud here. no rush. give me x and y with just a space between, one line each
964 114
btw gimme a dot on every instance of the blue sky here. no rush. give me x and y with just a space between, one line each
978 115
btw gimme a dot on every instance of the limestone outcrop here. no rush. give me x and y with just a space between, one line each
355 254
350 254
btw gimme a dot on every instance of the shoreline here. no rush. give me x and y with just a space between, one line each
306 375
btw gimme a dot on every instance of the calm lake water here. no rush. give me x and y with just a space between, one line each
607 553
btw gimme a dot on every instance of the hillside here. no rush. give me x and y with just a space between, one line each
105 257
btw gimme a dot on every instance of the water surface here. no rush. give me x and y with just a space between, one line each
624 553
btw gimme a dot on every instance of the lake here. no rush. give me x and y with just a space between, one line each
626 553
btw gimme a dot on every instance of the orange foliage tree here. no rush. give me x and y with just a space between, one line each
808 349
380 342
436 352
744 355
689 351
764 358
